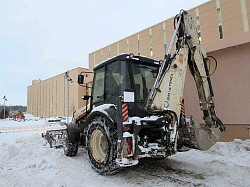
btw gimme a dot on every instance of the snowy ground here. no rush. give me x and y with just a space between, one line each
27 160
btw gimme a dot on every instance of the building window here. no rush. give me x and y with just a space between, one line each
138 40
109 53
44 100
127 45
219 15
221 32
49 100
151 43
87 91
244 15
52 100
219 18
164 37
118 48
198 24
64 102
56 100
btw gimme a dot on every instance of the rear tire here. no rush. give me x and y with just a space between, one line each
101 144
70 149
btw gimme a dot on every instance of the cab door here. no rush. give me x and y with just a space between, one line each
117 81
98 87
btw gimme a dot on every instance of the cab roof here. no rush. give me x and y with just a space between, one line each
128 57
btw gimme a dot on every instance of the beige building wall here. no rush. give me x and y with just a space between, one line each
48 98
224 29
232 15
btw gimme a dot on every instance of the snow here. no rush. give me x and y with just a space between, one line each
11 123
124 162
26 159
103 108
138 120
127 135
104 61
61 119
29 116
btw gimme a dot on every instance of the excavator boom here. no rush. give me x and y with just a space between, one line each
167 93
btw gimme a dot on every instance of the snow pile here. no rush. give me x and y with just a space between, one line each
11 123
11 130
29 116
237 148
30 162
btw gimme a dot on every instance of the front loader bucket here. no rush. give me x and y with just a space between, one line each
203 137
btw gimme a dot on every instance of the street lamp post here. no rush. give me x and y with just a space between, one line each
66 76
4 99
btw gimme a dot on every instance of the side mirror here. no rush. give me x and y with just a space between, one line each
86 97
80 79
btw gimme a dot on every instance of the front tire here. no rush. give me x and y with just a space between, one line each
101 144
70 149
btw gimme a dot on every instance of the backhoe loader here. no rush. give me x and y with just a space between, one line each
136 106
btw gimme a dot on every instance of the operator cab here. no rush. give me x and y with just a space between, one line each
125 72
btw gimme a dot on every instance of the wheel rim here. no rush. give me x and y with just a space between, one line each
98 145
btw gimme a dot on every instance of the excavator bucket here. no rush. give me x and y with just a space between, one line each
199 136
205 137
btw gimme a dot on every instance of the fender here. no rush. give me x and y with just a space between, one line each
79 114
109 111
73 132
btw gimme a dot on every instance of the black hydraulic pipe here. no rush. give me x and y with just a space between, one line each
119 119
208 78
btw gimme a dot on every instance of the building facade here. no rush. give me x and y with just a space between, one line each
223 27
48 98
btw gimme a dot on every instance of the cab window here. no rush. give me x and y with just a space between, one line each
98 87
144 78
117 80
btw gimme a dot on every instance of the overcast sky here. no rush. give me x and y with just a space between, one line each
43 38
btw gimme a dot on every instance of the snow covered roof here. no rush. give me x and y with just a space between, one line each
125 56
